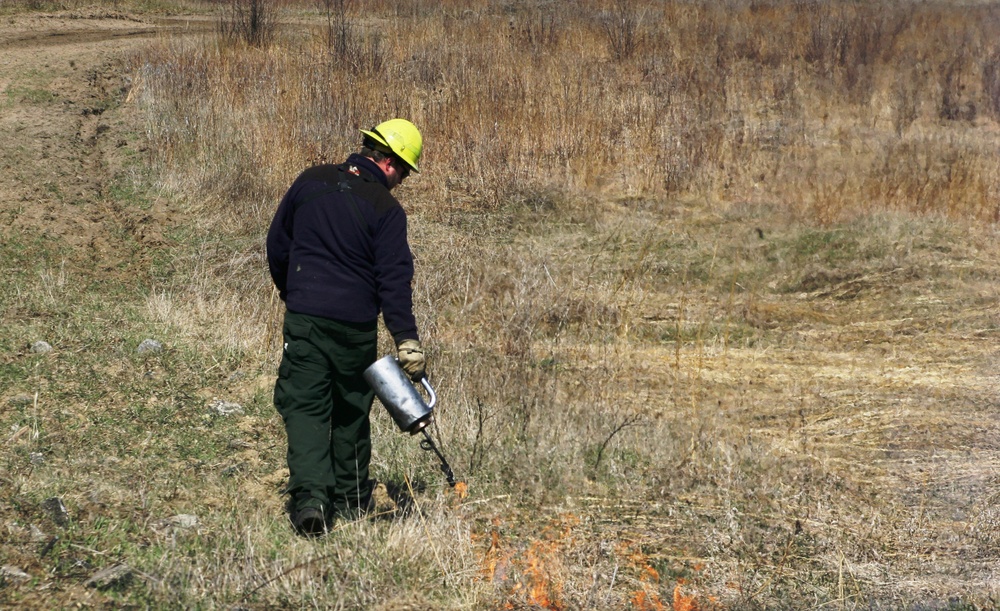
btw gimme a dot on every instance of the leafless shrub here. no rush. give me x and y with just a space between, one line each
847 41
357 51
955 70
991 82
252 22
536 28
621 29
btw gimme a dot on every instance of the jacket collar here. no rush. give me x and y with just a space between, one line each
365 165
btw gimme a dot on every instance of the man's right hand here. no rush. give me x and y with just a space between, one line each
411 358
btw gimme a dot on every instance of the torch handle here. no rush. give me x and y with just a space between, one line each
430 392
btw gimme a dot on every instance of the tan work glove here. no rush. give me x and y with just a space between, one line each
411 359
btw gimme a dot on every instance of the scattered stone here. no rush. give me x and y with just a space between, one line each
13 572
149 346
41 347
115 577
225 408
36 458
21 400
184 520
179 521
37 536
57 510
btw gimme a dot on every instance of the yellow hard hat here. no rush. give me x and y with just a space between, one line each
402 137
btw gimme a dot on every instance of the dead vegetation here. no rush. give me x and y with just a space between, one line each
709 289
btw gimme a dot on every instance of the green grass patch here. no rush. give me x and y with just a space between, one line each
30 95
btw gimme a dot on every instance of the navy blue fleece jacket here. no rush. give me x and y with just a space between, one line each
337 248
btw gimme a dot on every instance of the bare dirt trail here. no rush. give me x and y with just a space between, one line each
62 136
60 128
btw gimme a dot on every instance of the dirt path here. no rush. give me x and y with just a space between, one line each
60 136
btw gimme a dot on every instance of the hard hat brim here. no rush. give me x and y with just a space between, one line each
380 139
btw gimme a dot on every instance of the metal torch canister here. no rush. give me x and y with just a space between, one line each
407 408
399 396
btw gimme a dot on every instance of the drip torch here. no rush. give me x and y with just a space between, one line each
406 406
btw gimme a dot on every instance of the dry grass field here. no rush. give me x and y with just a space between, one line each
708 289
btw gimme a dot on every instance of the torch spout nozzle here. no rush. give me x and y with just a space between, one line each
428 444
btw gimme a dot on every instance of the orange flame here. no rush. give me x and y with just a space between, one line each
643 601
684 603
542 592
496 560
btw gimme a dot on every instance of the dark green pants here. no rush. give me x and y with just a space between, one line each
325 403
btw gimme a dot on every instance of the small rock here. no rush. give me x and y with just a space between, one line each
57 510
41 347
184 520
13 572
21 400
225 408
179 521
149 346
116 576
37 536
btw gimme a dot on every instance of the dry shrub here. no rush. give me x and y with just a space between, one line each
359 52
848 40
991 82
251 22
957 180
621 27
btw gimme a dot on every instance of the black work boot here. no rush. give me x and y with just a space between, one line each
309 520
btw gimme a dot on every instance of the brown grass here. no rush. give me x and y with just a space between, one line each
650 309
708 291
837 106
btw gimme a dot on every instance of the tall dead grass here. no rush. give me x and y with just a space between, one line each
593 336
803 103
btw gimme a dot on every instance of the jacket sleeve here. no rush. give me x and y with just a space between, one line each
279 243
394 275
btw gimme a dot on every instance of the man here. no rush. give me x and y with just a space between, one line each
338 253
